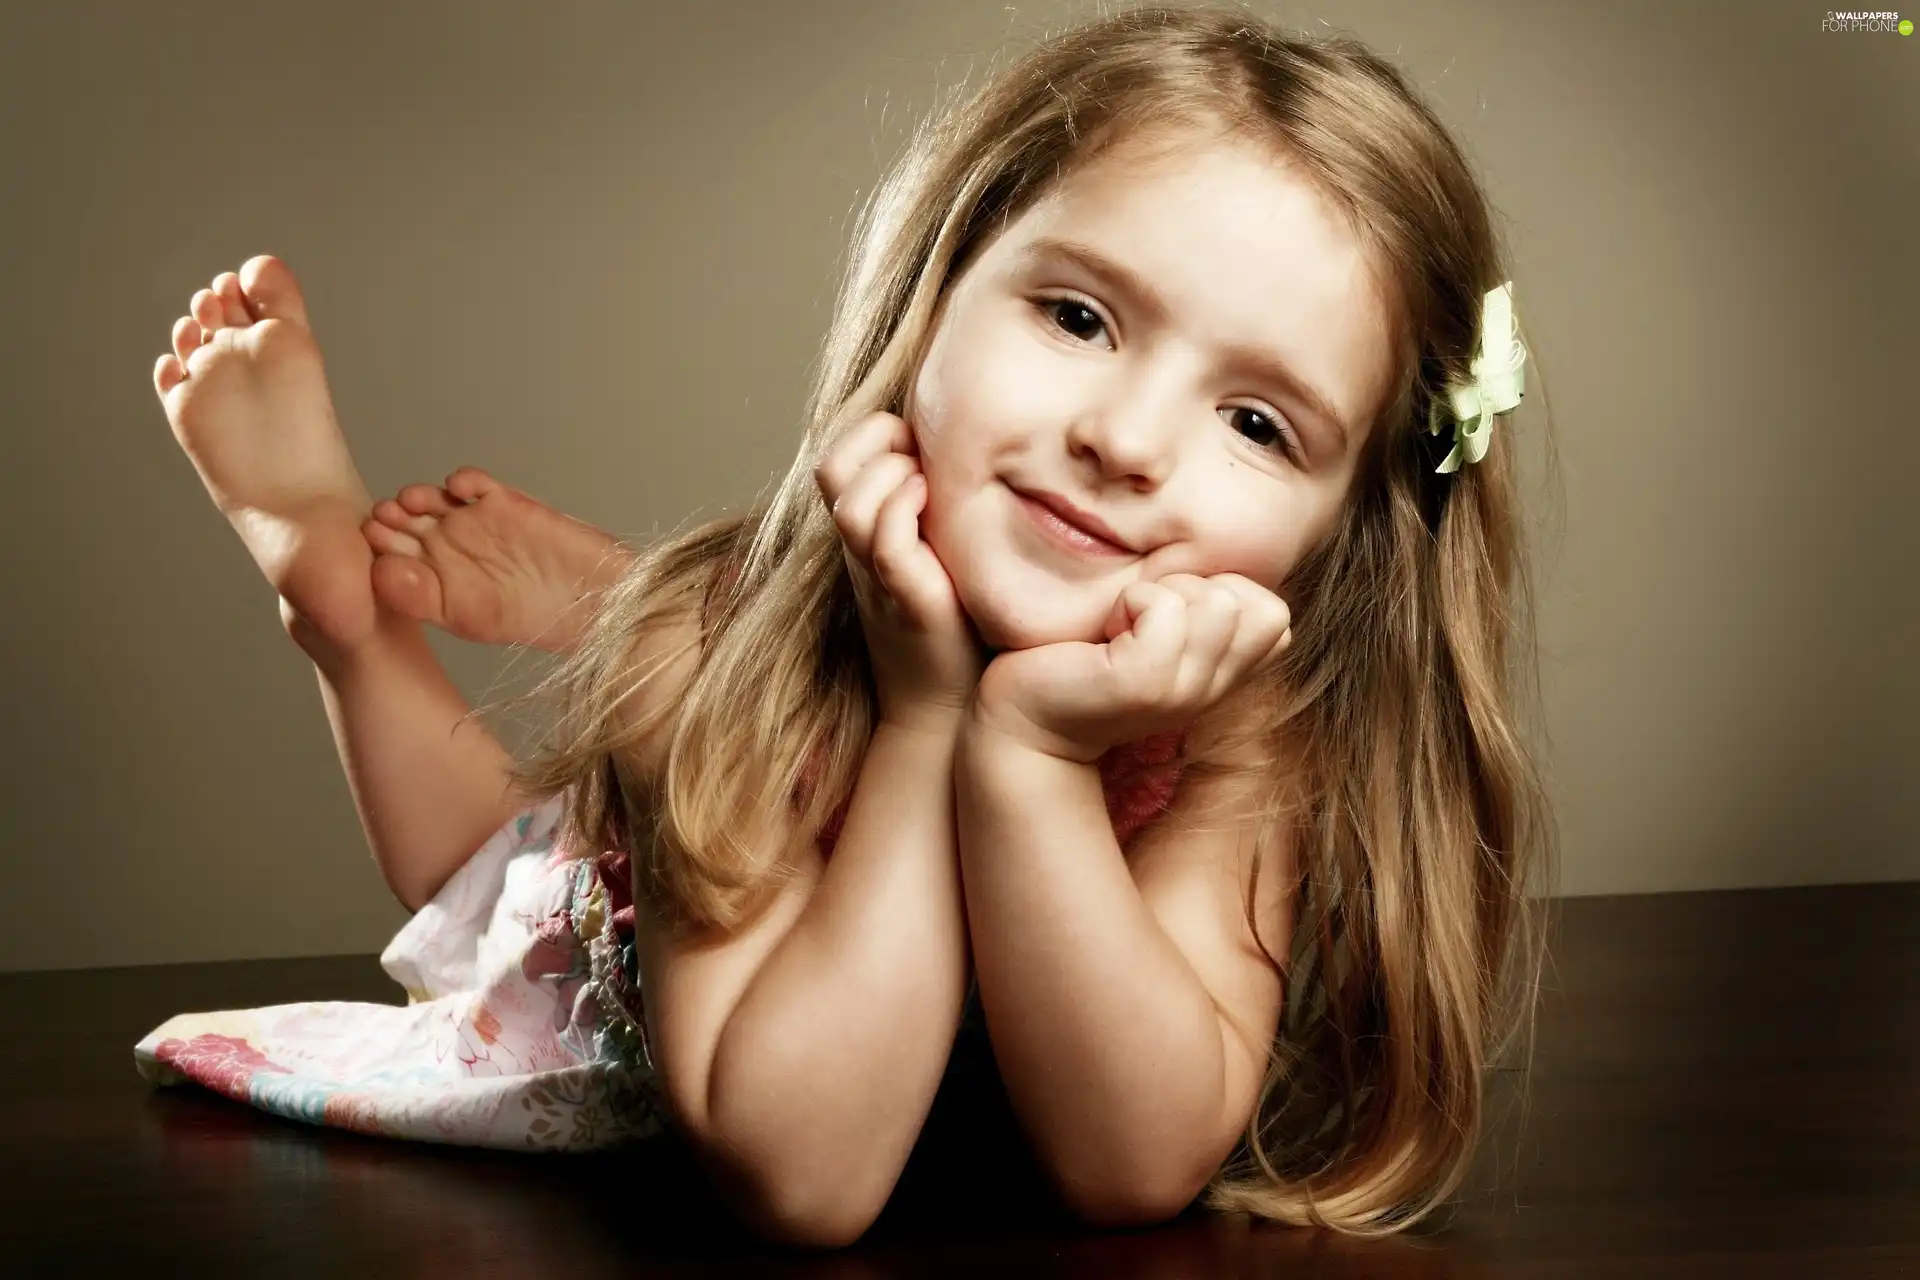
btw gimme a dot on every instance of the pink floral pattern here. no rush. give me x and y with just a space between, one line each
223 1063
357 1112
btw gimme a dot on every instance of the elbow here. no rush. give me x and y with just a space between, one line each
1116 1212
805 1217
1139 1201
794 1207
800 1223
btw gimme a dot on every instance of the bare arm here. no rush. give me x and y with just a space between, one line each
802 1053
1129 1015
830 1033
829 1065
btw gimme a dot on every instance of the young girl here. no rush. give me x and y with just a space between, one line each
1127 649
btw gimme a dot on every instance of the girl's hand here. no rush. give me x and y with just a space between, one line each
926 656
1174 648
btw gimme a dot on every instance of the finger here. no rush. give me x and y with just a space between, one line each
1213 626
1141 604
187 337
870 438
1134 600
857 510
901 560
1127 608
1264 628
1192 587
1150 653
1185 583
1264 615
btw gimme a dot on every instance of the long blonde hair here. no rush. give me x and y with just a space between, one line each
1391 727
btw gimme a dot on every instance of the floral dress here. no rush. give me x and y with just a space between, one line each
525 1026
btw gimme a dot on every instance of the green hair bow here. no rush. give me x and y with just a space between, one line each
1496 384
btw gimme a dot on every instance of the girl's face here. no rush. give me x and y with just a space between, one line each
1170 394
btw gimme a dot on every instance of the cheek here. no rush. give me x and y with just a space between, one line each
982 380
959 427
938 463
926 415
936 415
1258 538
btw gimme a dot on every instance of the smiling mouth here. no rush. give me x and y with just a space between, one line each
1067 537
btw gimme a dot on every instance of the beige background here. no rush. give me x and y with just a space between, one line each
592 248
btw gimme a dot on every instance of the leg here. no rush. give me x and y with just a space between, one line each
430 783
247 398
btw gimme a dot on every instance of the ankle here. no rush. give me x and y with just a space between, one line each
611 561
612 564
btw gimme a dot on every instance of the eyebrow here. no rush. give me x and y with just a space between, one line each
1143 294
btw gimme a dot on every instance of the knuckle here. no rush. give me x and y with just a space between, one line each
900 500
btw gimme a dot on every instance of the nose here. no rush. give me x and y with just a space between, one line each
1130 436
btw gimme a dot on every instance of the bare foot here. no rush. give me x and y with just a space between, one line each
246 394
488 563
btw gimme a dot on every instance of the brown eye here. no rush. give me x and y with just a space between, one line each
1078 316
1272 435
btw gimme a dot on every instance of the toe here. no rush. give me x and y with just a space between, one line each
387 540
186 337
167 374
226 287
206 309
409 587
394 518
470 484
424 500
272 292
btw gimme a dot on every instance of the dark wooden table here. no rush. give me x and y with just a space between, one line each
1724 1084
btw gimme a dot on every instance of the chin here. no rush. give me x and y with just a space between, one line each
1014 627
